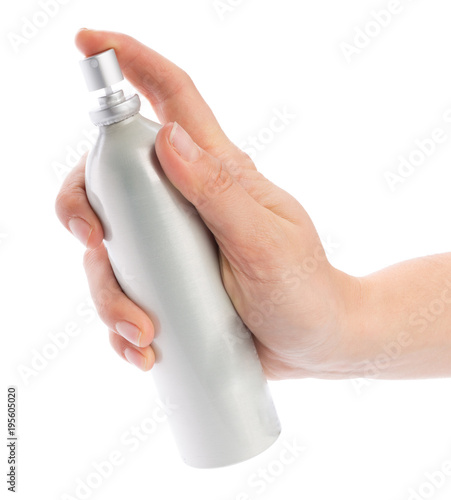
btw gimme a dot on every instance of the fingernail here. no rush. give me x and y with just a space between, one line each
135 358
80 229
183 144
129 331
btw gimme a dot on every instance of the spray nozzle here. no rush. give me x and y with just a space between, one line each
101 72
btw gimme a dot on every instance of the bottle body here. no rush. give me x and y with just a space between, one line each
166 261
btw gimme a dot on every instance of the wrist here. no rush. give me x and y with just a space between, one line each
348 358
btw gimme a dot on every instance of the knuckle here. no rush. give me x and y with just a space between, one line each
234 167
185 77
106 303
107 294
72 193
176 81
69 201
218 181
244 159
240 167
88 258
61 203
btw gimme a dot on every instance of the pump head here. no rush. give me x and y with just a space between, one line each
102 71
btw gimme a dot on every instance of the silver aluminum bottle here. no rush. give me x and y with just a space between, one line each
166 261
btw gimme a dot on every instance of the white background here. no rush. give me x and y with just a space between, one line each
352 121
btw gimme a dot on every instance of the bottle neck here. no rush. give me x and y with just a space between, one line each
114 108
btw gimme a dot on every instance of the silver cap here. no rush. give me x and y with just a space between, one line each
101 70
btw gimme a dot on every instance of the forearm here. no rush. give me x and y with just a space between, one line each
401 321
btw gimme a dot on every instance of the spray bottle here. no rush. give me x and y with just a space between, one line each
166 260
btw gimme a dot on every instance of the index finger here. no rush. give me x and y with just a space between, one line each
169 89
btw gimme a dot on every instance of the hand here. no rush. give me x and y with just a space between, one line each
273 264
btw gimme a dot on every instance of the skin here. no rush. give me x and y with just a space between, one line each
308 318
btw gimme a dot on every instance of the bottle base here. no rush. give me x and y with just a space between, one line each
221 461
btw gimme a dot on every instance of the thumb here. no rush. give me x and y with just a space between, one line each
231 214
